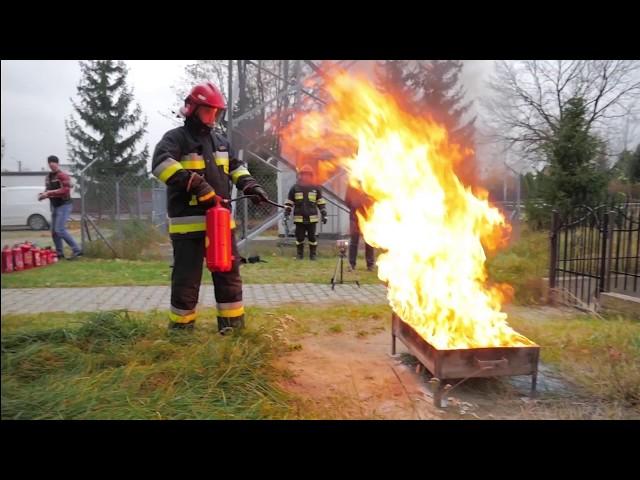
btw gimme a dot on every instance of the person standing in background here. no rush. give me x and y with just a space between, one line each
58 191
305 200
357 200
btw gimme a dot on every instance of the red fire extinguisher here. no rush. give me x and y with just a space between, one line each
46 257
218 235
18 260
54 257
218 239
7 260
37 256
27 255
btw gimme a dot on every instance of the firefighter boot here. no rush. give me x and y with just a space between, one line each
182 326
312 252
300 251
226 325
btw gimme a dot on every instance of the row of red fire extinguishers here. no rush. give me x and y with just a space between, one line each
24 256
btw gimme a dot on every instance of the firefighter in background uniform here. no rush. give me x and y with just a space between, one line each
199 168
305 198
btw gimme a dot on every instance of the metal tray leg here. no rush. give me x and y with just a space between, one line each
438 390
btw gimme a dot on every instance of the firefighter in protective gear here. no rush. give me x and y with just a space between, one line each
305 199
200 168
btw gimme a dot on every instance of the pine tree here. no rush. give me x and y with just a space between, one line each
107 129
441 96
575 178
396 77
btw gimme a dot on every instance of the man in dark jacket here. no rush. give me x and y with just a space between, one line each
200 168
58 191
358 201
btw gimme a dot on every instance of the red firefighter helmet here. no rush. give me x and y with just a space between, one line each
305 169
203 94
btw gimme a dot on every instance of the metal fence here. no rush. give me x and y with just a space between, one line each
108 202
595 250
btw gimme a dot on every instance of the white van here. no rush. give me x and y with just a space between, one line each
20 207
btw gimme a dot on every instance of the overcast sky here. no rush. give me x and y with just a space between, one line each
36 93
35 103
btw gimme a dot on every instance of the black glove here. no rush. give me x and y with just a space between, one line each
324 217
261 195
287 212
199 187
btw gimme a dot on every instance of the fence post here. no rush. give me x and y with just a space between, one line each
604 261
245 212
82 213
139 195
516 225
118 205
553 255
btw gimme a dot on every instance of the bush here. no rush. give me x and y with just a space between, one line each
137 240
538 215
523 265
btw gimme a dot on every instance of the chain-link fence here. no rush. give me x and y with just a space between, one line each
115 210
248 216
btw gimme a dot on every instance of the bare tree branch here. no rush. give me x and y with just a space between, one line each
529 96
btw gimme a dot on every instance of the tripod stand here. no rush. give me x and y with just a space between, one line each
342 253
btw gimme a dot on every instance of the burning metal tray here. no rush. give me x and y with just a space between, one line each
467 362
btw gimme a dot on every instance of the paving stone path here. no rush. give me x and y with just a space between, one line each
37 300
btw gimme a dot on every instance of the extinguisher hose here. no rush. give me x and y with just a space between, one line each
252 196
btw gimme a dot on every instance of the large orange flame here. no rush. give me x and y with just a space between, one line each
432 230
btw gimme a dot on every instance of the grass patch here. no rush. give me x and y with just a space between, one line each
88 272
600 355
116 365
522 265
282 267
93 272
337 328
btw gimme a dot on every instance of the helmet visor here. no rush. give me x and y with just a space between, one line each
210 115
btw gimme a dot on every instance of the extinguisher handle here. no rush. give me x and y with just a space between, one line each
227 200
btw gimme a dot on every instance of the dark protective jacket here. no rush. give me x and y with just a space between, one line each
58 186
356 200
305 202
191 148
